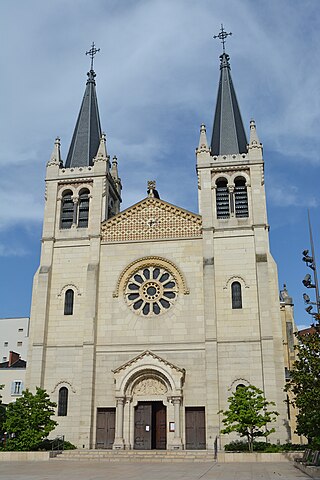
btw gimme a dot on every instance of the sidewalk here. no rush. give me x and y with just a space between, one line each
72 470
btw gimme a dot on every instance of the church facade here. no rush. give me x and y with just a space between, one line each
144 321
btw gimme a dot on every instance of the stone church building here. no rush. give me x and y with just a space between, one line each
145 320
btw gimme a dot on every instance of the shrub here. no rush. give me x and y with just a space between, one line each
69 445
240 446
47 445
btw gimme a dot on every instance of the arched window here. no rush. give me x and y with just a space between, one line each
67 209
241 197
240 385
68 302
63 402
83 217
222 198
236 295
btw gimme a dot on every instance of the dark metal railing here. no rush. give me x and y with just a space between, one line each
57 444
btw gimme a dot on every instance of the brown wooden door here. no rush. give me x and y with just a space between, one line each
143 426
160 426
105 427
195 428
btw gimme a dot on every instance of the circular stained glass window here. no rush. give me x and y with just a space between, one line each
151 291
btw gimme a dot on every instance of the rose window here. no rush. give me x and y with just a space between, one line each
151 291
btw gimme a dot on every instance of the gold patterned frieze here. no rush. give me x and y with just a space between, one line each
151 219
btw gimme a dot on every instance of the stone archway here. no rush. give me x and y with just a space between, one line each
150 381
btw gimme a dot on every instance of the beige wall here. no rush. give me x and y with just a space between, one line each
9 376
217 347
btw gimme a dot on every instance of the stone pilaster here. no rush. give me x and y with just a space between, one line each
118 441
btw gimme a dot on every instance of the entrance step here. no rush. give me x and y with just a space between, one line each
138 455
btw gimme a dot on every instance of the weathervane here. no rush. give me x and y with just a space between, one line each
222 36
92 52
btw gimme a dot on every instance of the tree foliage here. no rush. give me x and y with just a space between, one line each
304 384
28 420
248 414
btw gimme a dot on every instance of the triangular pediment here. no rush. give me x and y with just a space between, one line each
149 357
148 367
151 219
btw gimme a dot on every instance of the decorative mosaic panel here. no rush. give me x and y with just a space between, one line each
151 219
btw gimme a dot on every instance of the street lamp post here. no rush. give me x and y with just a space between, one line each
310 261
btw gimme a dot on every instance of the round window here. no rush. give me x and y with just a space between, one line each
151 291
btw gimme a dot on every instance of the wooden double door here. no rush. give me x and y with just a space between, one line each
106 421
195 428
150 426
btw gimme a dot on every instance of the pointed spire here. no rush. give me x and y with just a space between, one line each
55 158
228 135
115 174
114 168
254 141
102 150
87 132
203 142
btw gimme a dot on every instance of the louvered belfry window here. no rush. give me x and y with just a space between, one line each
222 198
68 302
241 197
83 217
236 295
63 402
67 209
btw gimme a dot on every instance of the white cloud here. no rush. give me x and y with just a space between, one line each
157 77
290 196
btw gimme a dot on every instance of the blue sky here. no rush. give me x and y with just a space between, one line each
157 79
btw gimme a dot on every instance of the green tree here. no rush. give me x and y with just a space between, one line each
28 420
248 414
304 384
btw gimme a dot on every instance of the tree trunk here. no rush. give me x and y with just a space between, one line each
250 439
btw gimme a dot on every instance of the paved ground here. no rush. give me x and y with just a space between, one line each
72 470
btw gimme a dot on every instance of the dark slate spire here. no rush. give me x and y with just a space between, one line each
87 133
228 135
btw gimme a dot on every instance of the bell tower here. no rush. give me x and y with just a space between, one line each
80 193
86 189
242 313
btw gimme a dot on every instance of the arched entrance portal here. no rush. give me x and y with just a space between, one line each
148 394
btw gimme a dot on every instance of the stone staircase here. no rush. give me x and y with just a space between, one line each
138 455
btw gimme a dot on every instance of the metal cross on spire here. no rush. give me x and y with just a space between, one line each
222 36
92 52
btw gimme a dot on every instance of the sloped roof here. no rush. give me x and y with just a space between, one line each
228 134
87 133
18 364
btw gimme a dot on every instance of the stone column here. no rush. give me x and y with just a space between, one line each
177 441
75 211
118 441
231 200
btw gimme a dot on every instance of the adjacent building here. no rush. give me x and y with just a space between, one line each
14 338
